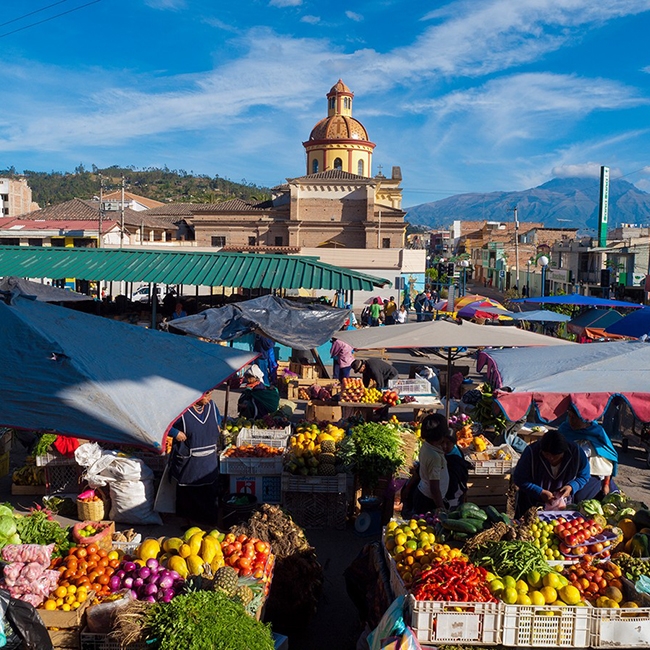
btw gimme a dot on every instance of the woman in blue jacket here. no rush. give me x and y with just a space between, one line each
603 457
548 469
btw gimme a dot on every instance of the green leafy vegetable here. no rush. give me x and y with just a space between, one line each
39 527
7 526
44 443
206 620
378 452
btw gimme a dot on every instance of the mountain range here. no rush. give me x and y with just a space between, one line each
559 203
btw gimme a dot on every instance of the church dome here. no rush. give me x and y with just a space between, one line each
339 127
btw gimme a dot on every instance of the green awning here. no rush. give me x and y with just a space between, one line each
246 270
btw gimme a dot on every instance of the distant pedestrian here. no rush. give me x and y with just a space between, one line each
389 311
524 291
375 313
419 303
401 316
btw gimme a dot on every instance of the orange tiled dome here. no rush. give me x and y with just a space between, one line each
339 127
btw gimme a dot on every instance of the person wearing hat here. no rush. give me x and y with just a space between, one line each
375 370
550 470
257 400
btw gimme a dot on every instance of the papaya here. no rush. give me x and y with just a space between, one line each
185 551
195 543
217 562
194 565
191 531
208 549
172 544
178 564
639 546
149 549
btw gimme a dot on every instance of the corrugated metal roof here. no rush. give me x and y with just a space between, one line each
182 267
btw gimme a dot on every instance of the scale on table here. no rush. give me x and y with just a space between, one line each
368 523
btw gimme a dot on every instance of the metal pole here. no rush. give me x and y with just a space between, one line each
101 211
122 215
528 280
516 248
543 281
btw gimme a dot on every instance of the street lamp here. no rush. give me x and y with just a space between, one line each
464 264
528 264
543 260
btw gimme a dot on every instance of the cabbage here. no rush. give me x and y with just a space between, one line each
15 539
6 512
625 512
616 498
7 526
609 510
591 507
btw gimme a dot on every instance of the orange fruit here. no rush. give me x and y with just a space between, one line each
61 592
50 604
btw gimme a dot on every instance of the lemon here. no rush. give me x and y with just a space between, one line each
490 576
400 539
552 579
549 593
521 587
537 598
570 595
523 599
509 596
496 587
509 582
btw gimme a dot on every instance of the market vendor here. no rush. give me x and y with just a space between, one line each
194 460
434 475
375 370
548 471
342 354
592 438
257 400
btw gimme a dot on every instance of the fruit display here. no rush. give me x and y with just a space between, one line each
230 429
546 540
150 583
632 567
599 583
353 390
313 450
88 497
580 537
253 451
391 398
552 588
87 531
29 475
454 581
413 546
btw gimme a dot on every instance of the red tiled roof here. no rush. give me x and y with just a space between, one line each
117 195
234 205
174 209
331 175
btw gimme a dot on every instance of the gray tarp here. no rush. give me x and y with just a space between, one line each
42 292
297 325
92 377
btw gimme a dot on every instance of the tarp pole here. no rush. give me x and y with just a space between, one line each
319 362
225 406
154 301
448 390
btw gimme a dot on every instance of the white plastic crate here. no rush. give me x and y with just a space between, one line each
410 386
54 458
436 622
396 582
251 466
270 437
330 484
546 626
496 466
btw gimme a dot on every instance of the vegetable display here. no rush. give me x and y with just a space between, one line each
514 558
378 452
454 581
39 527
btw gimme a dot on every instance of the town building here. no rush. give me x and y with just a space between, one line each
15 197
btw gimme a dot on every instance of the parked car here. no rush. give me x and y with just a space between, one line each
142 294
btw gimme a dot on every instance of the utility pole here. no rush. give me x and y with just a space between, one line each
516 247
122 215
101 211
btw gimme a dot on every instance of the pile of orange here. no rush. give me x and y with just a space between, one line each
89 567
66 598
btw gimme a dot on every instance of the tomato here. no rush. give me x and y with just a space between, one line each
103 580
258 573
93 575
245 573
103 561
114 563
102 552
92 548
93 557
83 566
242 539
237 545
81 552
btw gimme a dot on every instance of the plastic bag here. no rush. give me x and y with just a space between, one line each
558 503
642 585
25 623
391 624
404 641
99 618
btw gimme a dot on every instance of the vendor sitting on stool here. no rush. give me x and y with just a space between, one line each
550 470
603 457
257 400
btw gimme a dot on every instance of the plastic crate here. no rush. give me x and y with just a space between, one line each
327 484
550 515
396 582
317 509
410 386
456 623
267 489
270 437
94 641
62 479
54 458
496 466
251 466
623 628
546 626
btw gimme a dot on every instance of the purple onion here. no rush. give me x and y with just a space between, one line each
152 579
152 563
175 575
150 590
166 583
114 583
120 573
133 594
138 582
127 582
144 572
129 567
167 595
150 599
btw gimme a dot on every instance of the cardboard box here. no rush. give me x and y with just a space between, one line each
64 620
69 638
318 411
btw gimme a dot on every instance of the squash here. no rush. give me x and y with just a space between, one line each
628 527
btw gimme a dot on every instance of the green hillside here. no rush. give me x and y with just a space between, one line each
166 185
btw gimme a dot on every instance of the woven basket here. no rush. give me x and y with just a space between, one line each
90 510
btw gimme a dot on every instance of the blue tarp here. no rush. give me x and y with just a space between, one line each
91 377
600 318
580 300
542 316
635 324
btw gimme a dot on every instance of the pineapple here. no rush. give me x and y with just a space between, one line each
327 470
328 447
327 459
243 594
225 579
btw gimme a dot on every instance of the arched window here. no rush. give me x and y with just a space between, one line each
360 168
314 166
347 102
332 102
338 163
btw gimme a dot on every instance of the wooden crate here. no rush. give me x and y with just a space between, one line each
304 370
488 490
27 490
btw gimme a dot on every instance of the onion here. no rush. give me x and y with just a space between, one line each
166 583
120 573
149 590
144 572
150 599
127 582
167 595
152 579
133 594
175 575
152 563
114 583
138 582
129 567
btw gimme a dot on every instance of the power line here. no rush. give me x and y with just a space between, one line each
45 20
31 13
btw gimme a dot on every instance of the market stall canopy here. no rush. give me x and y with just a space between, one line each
38 291
183 267
599 318
92 377
541 316
587 376
444 334
635 324
302 326
579 300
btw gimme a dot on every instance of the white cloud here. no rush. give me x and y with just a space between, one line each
174 5
584 170
285 3
310 20
357 18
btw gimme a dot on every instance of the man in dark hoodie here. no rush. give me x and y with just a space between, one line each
550 469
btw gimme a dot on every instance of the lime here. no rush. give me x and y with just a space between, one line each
510 596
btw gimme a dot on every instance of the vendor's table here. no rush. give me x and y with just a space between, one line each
421 405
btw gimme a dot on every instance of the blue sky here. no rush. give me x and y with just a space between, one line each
481 95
